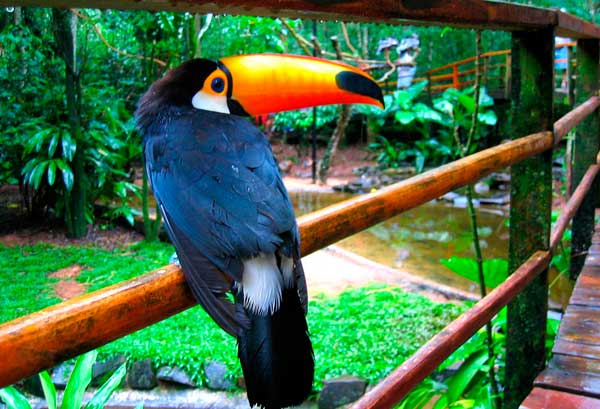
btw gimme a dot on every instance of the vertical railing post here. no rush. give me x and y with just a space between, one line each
507 75
454 75
584 151
530 208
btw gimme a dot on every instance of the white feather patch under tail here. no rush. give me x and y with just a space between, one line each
262 282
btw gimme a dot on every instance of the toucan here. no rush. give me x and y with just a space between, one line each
226 209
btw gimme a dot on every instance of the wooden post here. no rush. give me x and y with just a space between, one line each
531 201
454 75
584 151
507 75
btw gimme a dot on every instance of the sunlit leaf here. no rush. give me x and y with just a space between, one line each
49 389
495 271
51 172
458 382
67 174
13 398
404 117
79 380
104 393
487 117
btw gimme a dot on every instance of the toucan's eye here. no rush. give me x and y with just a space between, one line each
217 85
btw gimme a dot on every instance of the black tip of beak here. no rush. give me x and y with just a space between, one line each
358 84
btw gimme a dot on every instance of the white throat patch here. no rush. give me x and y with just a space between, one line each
208 102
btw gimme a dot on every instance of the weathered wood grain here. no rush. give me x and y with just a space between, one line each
530 211
572 382
550 399
457 13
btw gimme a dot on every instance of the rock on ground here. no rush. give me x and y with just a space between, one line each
341 390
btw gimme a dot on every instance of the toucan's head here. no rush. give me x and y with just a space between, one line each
259 84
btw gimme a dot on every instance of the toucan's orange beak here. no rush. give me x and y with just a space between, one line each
265 83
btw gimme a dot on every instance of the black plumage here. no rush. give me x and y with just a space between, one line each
219 190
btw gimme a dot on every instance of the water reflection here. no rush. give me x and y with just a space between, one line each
416 240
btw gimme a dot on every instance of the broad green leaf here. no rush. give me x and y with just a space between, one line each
425 113
51 172
487 117
443 105
69 146
35 177
52 145
463 404
485 100
404 117
458 382
442 402
79 381
67 174
13 398
467 101
49 389
495 271
104 393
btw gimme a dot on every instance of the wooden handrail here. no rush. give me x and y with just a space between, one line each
422 363
37 341
457 73
570 208
402 380
458 13
42 339
573 117
468 60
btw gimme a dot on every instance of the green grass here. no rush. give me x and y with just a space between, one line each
365 332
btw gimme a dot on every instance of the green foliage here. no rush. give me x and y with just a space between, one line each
301 120
26 287
37 148
457 108
495 271
467 386
405 116
78 382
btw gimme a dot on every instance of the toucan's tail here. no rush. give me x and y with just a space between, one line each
276 355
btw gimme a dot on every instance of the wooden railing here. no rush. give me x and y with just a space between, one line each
42 339
495 71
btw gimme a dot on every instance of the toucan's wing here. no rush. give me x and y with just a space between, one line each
223 200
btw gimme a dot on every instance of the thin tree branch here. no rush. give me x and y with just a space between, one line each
347 39
123 53
302 42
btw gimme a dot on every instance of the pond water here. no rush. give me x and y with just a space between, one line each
416 240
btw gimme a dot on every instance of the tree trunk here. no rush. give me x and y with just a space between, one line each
343 119
65 34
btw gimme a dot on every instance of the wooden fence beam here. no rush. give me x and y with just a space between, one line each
573 204
403 379
458 13
584 151
530 208
47 337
